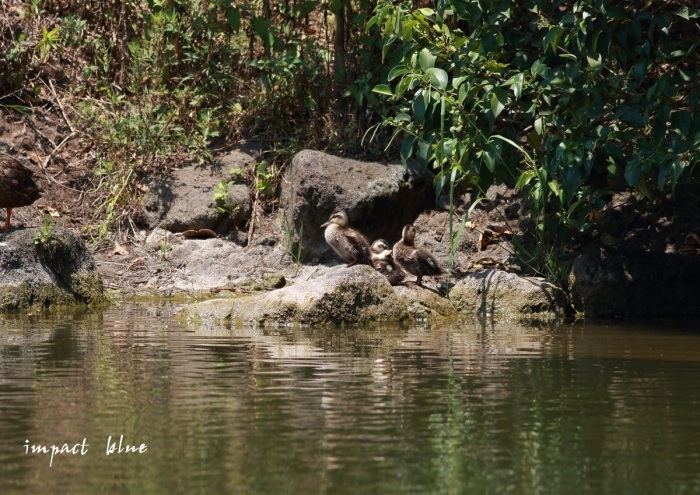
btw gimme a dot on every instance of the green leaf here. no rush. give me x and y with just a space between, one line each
489 159
596 62
525 178
382 89
681 121
437 77
407 149
539 125
233 16
633 172
516 84
403 85
498 101
552 38
397 71
419 106
426 60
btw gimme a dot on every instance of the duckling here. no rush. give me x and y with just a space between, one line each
416 261
349 244
17 186
382 262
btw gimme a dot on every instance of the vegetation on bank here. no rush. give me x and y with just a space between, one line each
567 100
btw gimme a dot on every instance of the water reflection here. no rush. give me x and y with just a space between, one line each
473 408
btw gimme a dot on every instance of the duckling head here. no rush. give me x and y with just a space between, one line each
380 250
379 245
408 234
339 218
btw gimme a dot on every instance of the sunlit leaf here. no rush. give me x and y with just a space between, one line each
382 89
437 77
426 60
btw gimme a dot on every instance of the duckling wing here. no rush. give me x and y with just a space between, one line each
429 264
360 245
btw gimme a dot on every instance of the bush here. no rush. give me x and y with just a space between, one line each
565 99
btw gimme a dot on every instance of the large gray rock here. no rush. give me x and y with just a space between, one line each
629 283
56 270
344 295
379 198
504 294
184 199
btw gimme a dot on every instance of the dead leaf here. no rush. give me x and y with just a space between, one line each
596 214
692 240
486 262
118 249
485 238
52 211
500 229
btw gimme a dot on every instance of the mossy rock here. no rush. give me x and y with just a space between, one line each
56 269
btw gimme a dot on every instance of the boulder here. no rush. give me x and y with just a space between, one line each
184 199
39 268
504 294
342 296
630 283
379 198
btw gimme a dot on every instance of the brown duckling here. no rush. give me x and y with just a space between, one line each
382 261
416 261
348 243
17 186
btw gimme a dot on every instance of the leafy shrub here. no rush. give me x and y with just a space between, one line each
567 99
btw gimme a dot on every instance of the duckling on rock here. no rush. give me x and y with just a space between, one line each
416 261
383 263
348 243
17 186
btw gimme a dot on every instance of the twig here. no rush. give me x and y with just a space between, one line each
60 105
58 147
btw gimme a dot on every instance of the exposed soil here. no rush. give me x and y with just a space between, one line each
64 168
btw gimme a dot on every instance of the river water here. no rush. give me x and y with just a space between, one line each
479 407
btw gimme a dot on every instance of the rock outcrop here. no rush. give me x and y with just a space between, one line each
356 295
610 282
360 295
504 294
378 198
56 269
184 199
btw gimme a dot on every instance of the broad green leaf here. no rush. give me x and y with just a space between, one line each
426 60
498 101
382 89
595 62
539 125
681 121
633 172
489 159
516 84
233 16
419 107
555 188
403 85
552 38
397 71
437 77
525 178
407 149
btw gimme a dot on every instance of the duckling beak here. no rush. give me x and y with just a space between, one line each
325 225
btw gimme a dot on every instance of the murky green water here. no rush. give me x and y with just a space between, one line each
469 409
